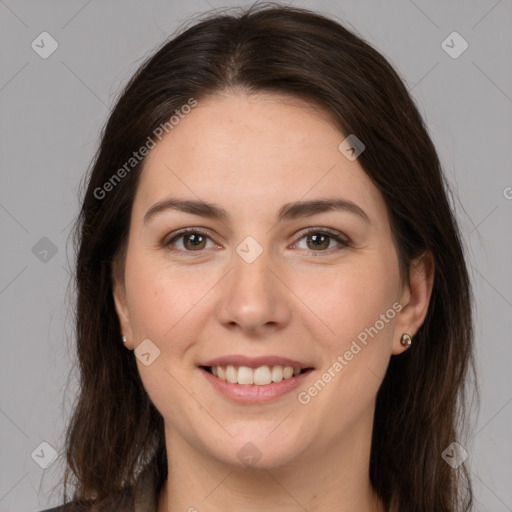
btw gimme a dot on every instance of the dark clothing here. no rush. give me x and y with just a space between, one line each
143 499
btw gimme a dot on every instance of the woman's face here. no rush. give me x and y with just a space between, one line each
278 280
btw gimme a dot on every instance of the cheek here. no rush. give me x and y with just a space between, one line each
163 304
348 298
351 300
166 302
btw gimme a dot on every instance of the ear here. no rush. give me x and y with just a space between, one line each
121 305
414 299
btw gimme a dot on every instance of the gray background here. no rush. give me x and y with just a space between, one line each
52 113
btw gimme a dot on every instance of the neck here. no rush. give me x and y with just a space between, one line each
317 480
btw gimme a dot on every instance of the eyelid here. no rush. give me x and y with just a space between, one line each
338 236
342 239
166 243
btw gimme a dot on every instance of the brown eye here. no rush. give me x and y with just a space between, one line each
318 241
189 240
195 241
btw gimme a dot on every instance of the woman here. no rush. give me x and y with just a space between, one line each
274 310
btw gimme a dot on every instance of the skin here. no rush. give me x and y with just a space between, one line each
250 155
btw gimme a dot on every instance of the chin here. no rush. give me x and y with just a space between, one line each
257 449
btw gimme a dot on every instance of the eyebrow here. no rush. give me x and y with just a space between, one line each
288 211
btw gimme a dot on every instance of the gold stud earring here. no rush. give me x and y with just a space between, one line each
406 340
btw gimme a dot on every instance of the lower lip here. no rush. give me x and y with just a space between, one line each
253 394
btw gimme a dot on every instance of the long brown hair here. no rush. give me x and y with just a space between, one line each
115 431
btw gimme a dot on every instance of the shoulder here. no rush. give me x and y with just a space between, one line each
140 498
113 504
72 507
68 507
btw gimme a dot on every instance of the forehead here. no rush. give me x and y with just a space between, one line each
255 152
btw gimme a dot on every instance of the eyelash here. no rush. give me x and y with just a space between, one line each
317 231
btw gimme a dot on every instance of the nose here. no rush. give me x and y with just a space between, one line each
254 298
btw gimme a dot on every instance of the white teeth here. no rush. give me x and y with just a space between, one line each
245 375
277 374
261 376
287 372
231 374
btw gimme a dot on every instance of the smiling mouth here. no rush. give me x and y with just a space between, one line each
261 376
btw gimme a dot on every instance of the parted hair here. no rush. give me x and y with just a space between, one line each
115 433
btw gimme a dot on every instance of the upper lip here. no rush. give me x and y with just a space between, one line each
255 362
